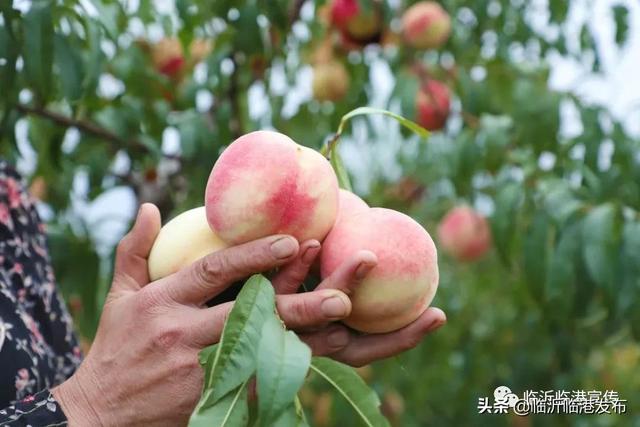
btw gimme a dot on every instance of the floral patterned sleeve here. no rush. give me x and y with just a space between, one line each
38 349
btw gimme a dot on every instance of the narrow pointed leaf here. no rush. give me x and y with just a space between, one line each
350 385
282 366
70 68
230 411
600 235
235 359
363 111
343 178
38 47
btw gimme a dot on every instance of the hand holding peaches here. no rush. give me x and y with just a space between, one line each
381 263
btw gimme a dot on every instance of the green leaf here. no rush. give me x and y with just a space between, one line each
206 354
364 111
559 201
537 252
77 268
494 136
9 51
350 385
230 411
600 234
343 177
621 17
38 47
235 358
503 221
70 68
293 416
282 366
560 282
95 57
558 9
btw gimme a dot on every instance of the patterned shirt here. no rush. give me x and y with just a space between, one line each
38 348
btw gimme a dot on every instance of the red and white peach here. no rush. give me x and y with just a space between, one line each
426 25
433 105
402 284
464 234
264 184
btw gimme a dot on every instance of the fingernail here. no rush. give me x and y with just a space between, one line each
338 338
310 253
334 307
362 270
435 325
283 247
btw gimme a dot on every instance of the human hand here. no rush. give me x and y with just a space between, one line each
143 365
338 341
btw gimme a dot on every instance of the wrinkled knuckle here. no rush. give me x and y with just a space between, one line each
167 338
124 246
184 365
148 299
211 269
303 311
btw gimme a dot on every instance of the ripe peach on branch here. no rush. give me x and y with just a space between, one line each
330 81
360 21
426 25
464 234
433 105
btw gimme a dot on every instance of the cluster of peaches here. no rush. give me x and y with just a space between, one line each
424 25
265 184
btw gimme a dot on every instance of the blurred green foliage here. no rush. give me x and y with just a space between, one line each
556 306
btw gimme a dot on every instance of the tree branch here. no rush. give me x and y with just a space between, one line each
88 128
294 11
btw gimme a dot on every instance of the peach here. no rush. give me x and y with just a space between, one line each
403 283
433 105
183 240
349 204
199 49
330 81
168 57
426 25
358 23
464 234
264 183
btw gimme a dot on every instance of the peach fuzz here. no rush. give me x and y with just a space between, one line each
183 240
404 281
426 25
464 234
264 183
349 204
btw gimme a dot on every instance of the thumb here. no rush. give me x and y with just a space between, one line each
133 250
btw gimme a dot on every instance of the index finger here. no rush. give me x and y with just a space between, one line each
213 273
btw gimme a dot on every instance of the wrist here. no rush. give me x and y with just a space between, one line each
76 403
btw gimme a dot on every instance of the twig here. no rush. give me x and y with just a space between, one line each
87 128
294 11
